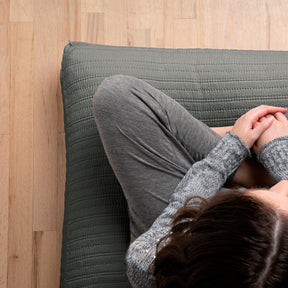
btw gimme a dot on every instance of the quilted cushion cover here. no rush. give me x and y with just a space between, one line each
216 86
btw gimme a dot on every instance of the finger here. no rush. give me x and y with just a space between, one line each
263 110
270 108
280 117
258 122
262 126
261 120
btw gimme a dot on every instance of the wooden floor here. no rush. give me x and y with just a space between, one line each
32 151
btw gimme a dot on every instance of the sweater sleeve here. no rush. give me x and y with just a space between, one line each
274 157
203 179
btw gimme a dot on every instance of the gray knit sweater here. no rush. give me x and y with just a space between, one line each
203 179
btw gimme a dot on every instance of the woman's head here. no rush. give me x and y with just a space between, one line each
233 240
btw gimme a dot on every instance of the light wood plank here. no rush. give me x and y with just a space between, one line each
169 32
157 27
4 67
92 27
92 6
74 18
63 37
277 24
145 23
61 192
185 33
21 158
218 24
61 180
4 204
141 14
254 31
115 22
229 34
181 24
45 118
139 37
21 10
185 9
212 22
46 265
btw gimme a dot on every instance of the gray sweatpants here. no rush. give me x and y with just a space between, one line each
150 140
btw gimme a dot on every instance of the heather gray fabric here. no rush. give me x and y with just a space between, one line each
215 86
219 163
151 142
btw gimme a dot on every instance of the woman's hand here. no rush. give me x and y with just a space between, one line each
250 126
278 128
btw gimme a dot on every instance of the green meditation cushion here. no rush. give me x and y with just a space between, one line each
216 86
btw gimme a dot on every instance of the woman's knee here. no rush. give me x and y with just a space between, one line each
115 96
114 87
113 91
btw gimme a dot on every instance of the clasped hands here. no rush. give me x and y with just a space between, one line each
260 125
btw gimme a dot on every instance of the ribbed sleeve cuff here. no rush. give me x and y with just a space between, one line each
235 143
230 151
242 147
274 157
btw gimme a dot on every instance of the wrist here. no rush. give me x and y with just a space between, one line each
252 174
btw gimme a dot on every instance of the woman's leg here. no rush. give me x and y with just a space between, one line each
150 140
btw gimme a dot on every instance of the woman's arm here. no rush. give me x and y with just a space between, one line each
251 173
274 157
203 179
272 148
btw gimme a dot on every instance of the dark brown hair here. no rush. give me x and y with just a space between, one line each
233 240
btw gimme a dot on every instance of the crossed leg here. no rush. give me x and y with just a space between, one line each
151 141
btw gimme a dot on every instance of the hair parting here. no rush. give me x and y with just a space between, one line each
231 240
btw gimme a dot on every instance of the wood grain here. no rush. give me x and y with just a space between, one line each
145 23
4 67
115 22
185 9
45 120
60 197
4 206
74 19
63 37
277 25
61 159
4 138
32 140
92 21
46 259
20 252
92 27
21 10
92 6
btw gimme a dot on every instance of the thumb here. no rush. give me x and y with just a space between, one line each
262 126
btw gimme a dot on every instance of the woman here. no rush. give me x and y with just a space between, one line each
174 171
